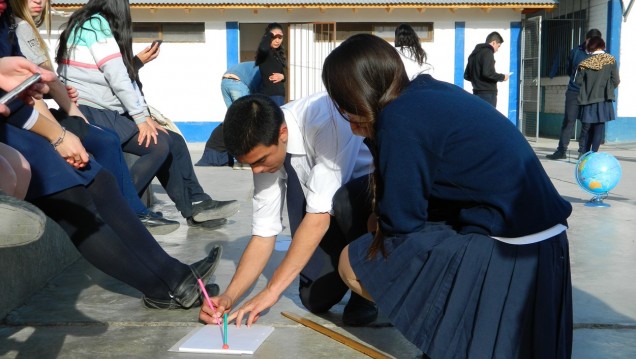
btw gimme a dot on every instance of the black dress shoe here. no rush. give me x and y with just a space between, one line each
169 303
187 293
211 224
211 209
557 155
156 224
359 312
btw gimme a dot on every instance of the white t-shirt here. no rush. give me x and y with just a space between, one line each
413 69
325 155
29 44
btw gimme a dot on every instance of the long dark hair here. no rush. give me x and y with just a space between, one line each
408 42
279 53
117 13
375 76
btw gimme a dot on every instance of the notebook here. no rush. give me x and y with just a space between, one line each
209 339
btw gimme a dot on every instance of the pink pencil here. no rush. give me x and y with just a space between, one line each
207 299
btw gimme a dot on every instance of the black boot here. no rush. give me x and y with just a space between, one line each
359 312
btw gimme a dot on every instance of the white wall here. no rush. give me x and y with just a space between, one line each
626 106
183 82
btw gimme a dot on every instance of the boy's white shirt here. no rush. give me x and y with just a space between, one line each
325 155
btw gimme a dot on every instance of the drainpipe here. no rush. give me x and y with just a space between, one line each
626 12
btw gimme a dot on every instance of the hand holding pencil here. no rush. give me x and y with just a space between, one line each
209 315
215 313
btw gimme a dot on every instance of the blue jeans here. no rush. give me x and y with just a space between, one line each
105 147
232 90
279 100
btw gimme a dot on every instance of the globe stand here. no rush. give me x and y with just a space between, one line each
597 201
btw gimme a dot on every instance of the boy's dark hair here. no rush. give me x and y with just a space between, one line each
494 36
593 33
250 121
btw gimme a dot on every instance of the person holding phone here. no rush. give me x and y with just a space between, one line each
147 54
14 70
480 69
110 96
271 61
85 201
102 143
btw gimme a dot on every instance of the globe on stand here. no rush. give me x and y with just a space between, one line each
597 173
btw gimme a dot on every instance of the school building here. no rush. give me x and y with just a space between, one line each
202 38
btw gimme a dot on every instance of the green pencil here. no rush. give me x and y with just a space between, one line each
225 346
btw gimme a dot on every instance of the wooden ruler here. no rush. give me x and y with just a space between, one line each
336 336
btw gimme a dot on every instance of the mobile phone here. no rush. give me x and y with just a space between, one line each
9 96
158 42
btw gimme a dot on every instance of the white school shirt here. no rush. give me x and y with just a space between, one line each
325 155
413 69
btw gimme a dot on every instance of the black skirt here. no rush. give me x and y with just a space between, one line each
471 296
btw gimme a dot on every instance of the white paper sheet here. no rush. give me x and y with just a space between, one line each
209 339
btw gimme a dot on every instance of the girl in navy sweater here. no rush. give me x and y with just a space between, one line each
470 255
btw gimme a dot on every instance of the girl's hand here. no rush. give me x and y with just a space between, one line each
72 150
156 126
147 132
276 77
73 94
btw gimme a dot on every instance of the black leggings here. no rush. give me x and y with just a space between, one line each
169 160
593 138
320 284
108 234
151 159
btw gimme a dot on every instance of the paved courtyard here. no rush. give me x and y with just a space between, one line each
83 313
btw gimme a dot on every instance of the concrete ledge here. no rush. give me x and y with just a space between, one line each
26 268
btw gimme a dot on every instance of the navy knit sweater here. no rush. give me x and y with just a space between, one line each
446 155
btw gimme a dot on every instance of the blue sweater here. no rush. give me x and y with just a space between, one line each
577 55
446 155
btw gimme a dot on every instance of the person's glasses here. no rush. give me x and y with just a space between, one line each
278 37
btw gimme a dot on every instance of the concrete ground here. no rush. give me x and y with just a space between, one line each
83 313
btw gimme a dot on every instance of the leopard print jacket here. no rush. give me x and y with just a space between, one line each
597 62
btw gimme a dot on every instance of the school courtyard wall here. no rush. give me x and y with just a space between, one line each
184 81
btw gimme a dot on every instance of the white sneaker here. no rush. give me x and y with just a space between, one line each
20 222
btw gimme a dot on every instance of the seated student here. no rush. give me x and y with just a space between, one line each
103 144
239 80
304 153
97 60
74 191
470 258
19 223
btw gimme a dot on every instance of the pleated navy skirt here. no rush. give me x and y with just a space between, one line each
471 296
597 112
50 173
